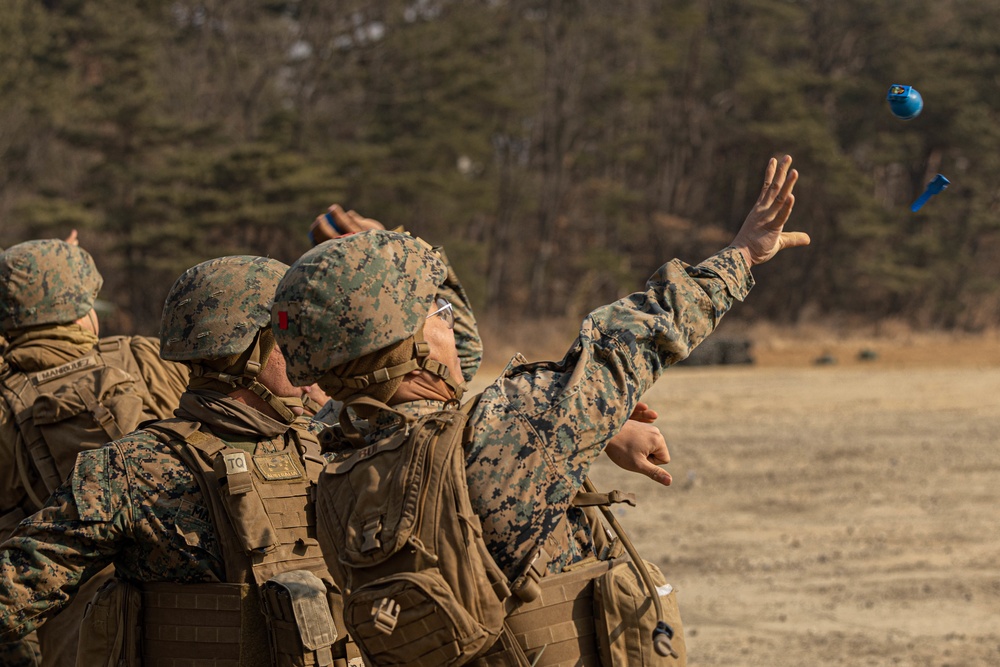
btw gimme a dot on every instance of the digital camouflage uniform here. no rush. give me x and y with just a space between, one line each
45 286
135 503
538 427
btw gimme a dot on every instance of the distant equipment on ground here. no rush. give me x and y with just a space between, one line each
721 351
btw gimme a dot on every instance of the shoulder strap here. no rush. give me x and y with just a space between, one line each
20 394
467 409
312 451
118 349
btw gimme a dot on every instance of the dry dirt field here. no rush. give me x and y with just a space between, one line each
838 514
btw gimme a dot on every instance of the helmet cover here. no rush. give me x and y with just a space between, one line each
46 282
216 309
351 296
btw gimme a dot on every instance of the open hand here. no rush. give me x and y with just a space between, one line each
762 235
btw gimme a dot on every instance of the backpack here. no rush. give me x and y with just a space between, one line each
401 540
79 405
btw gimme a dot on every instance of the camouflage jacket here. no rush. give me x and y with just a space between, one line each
539 426
132 503
42 349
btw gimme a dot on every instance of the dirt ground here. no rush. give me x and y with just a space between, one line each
843 513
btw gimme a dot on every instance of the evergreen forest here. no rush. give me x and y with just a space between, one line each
561 150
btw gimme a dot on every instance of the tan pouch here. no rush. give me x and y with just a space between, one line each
109 631
298 618
626 617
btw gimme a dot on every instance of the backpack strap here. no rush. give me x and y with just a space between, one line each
350 429
593 499
118 349
20 394
102 415
467 409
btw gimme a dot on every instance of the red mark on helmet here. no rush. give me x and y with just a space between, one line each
282 319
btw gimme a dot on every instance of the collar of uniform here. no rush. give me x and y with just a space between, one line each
223 414
39 348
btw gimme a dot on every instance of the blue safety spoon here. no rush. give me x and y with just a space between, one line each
936 185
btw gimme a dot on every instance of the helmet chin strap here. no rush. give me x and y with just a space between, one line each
247 379
419 361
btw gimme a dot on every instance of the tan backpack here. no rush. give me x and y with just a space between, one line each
403 543
79 405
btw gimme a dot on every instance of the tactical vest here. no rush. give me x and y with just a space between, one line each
76 406
278 605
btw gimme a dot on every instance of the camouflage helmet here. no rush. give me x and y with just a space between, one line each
217 308
46 282
352 296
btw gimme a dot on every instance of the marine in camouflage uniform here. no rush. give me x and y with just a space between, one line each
153 504
538 427
47 294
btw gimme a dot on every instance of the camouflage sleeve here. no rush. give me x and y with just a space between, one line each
166 380
539 427
470 347
53 551
131 503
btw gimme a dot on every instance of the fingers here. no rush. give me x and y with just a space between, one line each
643 413
321 230
655 473
73 239
772 165
345 223
786 187
362 223
775 181
784 201
794 239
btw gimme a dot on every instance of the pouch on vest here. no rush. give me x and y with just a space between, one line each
626 618
401 540
79 405
109 631
298 618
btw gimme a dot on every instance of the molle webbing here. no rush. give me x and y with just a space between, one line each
271 519
557 629
212 624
